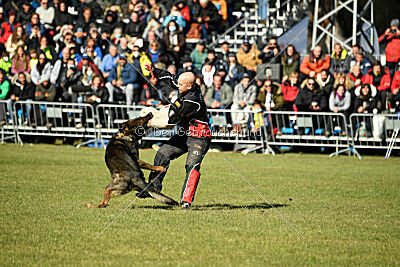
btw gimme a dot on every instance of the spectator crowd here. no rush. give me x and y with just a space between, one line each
81 51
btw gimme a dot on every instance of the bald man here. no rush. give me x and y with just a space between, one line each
189 112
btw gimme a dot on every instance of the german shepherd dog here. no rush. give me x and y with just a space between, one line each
122 159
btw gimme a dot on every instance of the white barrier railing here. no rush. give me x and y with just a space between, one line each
7 119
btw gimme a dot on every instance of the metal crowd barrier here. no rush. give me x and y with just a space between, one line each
55 119
7 126
316 129
375 131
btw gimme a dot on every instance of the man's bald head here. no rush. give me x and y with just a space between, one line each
186 82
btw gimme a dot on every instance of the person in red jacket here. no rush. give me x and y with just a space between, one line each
391 40
7 27
290 88
396 79
380 79
315 63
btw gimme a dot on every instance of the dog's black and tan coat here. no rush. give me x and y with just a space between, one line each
122 159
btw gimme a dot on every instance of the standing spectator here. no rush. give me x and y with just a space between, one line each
244 96
208 17
314 63
391 40
7 27
185 11
18 38
247 56
176 16
4 92
310 97
135 27
45 91
25 13
62 16
270 53
325 81
339 102
123 77
46 14
43 67
5 63
174 41
290 89
219 95
290 61
109 61
222 8
20 62
199 54
356 75
340 60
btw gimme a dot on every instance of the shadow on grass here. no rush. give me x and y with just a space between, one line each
220 206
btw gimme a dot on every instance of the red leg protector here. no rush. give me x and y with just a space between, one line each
190 186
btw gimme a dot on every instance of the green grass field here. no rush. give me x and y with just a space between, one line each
348 211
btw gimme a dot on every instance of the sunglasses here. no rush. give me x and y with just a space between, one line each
311 84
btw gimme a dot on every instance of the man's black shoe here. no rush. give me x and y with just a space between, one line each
143 195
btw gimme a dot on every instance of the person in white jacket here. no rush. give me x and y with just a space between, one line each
46 14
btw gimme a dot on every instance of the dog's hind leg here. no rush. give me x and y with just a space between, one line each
148 166
104 201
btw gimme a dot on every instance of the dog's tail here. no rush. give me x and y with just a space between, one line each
160 197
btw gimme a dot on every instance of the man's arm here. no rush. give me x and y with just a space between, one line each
167 77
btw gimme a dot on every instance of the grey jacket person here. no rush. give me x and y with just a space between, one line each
249 95
342 104
226 95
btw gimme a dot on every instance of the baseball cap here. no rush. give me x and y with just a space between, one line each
246 42
231 54
245 75
85 56
202 42
121 56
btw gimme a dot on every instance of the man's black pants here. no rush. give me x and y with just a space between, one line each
174 148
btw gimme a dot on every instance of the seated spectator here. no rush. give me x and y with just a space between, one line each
310 97
25 13
34 22
123 46
356 75
85 20
5 63
391 40
33 57
394 100
290 61
42 68
340 60
185 12
270 96
93 56
339 102
203 87
212 59
149 95
175 41
154 26
223 55
18 38
23 91
208 72
47 49
325 81
247 56
161 4
155 52
7 26
244 96
199 55
256 119
156 13
123 77
62 16
222 8
207 15
60 67
363 62
270 52
140 60
343 79
20 62
395 81
314 63
109 61
219 94
96 10
175 15
380 79
91 43
47 92
357 49
235 70
4 92
87 61
112 21
46 14
135 27
33 40
80 37
290 89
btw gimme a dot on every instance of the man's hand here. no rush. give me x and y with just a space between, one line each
114 82
242 104
360 109
336 110
312 74
387 31
38 93
200 20
120 83
12 97
395 91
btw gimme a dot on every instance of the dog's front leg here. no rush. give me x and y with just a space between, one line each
104 201
148 166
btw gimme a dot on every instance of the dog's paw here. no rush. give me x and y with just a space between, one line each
160 169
